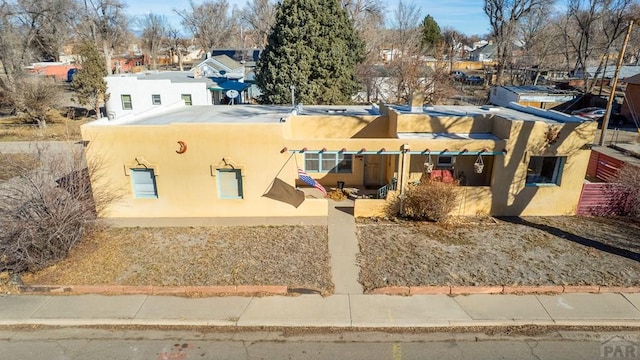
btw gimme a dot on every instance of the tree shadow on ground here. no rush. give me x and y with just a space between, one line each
574 238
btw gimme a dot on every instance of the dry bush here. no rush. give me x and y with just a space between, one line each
432 201
336 195
46 211
628 179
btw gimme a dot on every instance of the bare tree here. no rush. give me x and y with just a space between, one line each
46 211
210 23
258 16
504 16
28 34
105 23
177 45
154 28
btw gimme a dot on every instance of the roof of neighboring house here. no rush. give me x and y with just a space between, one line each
226 61
173 76
635 79
538 89
487 49
626 71
248 55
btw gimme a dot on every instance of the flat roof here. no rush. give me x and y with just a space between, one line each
173 76
216 114
518 112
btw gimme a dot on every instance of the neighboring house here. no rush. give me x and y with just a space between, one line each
227 74
58 70
483 53
223 162
131 95
542 97
121 64
631 104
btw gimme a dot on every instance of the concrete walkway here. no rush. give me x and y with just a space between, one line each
343 248
344 311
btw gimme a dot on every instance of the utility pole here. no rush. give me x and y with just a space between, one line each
607 114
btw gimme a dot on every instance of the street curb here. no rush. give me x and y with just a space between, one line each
229 290
499 289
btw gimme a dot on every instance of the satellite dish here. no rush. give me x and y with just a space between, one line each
232 94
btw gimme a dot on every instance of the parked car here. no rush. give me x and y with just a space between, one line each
458 75
474 80
592 113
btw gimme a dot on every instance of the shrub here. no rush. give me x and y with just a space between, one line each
46 209
432 201
628 178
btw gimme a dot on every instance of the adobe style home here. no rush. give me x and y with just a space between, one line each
241 161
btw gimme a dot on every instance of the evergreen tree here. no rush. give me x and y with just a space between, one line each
88 83
431 37
314 47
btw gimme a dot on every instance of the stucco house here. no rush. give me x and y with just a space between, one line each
223 162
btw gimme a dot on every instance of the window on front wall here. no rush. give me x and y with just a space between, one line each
229 183
144 183
126 102
155 99
187 99
544 170
328 163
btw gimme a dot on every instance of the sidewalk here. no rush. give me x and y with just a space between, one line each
347 308
340 311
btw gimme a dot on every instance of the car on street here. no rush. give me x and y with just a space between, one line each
458 75
474 80
591 113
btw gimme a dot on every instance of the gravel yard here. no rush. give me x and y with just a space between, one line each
296 256
509 251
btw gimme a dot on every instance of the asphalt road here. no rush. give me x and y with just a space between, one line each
87 343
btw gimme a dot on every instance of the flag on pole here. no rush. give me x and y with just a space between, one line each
309 180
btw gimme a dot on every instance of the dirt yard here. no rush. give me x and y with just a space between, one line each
509 251
296 256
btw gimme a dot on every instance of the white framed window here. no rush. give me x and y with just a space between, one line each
155 99
229 183
126 102
187 99
328 163
544 170
144 183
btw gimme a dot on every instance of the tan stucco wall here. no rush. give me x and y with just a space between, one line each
186 187
510 196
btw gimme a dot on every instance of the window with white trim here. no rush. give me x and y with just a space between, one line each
229 183
155 99
126 102
187 99
544 170
144 183
328 163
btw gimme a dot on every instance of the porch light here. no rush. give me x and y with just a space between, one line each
383 149
323 150
284 149
426 150
363 150
303 149
343 149
445 150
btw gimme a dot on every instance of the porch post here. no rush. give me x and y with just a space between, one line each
403 173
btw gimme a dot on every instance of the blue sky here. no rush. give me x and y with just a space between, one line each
465 16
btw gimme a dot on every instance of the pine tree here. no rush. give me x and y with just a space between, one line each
431 37
88 83
314 47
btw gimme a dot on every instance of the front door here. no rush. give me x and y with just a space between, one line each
374 170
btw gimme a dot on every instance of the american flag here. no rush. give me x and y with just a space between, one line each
309 180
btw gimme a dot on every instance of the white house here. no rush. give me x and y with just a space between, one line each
137 94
